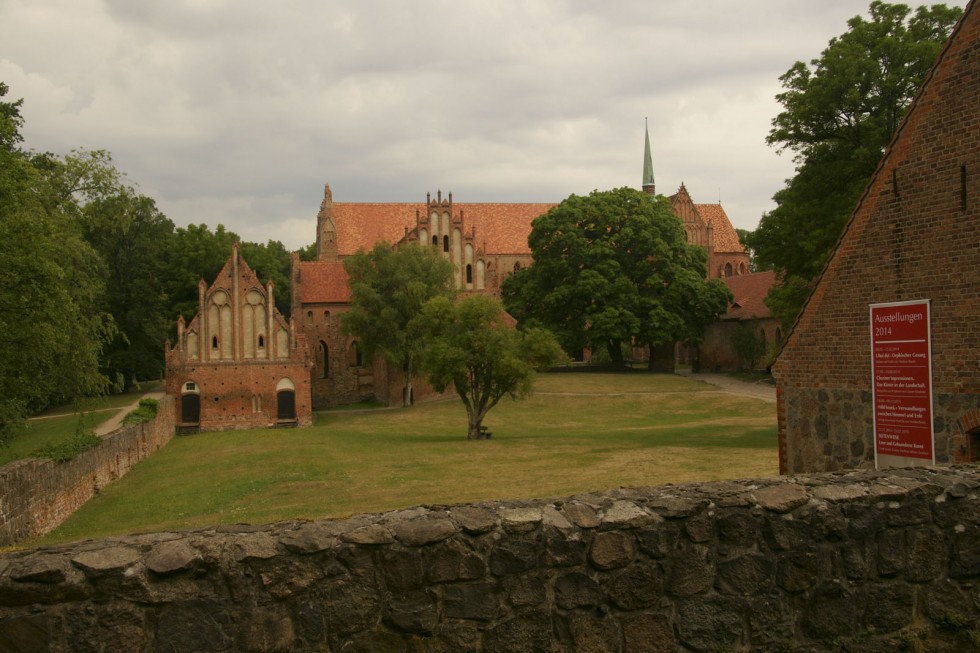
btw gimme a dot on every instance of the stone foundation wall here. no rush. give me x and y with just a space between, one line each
827 429
37 495
858 561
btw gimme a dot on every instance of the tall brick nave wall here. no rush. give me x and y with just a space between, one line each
857 561
37 495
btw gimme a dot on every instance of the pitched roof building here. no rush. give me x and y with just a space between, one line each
239 363
912 237
485 241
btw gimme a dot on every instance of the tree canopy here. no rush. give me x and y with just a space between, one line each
470 346
93 274
612 268
388 288
839 113
52 328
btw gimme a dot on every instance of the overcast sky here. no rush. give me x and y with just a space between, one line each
238 111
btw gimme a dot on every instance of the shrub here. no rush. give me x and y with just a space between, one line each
145 412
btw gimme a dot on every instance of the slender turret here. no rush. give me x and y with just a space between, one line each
648 184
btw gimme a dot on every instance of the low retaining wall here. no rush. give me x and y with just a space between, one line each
859 561
37 495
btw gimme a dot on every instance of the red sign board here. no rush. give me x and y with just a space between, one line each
901 367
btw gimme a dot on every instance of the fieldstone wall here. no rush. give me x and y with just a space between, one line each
37 495
832 428
857 561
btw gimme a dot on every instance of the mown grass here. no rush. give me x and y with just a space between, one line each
56 427
576 433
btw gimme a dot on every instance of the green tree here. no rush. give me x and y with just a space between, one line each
195 253
615 268
749 344
52 328
133 237
388 290
839 114
470 346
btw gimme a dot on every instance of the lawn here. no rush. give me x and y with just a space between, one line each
58 424
576 433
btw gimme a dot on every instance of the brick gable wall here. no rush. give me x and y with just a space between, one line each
911 237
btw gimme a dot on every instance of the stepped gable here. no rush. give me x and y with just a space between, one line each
323 282
749 290
500 228
724 234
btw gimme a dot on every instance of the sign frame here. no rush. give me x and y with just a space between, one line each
901 383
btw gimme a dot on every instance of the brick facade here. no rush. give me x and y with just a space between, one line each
485 242
914 235
239 363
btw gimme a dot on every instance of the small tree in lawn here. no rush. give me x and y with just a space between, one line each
471 347
389 287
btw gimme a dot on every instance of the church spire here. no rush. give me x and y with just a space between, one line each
648 184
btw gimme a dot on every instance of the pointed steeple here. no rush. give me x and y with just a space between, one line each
648 184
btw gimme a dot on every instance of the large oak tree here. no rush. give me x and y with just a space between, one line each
839 113
613 268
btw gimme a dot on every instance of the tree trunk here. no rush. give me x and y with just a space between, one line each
662 358
615 349
408 396
475 430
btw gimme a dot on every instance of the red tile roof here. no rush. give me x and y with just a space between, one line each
503 228
750 290
323 282
725 237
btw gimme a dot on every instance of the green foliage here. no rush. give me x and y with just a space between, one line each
785 300
52 324
145 412
749 344
612 268
67 448
308 253
839 113
389 287
132 236
470 347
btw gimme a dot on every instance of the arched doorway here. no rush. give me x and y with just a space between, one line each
190 404
285 400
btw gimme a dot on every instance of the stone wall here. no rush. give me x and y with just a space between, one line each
37 495
858 561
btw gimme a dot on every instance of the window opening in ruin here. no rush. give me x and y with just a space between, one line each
309 316
324 359
469 273
214 342
261 341
435 240
728 269
445 243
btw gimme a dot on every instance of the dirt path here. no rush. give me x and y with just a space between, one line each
115 421
758 390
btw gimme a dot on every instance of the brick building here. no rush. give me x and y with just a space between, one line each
913 236
239 363
485 242
747 310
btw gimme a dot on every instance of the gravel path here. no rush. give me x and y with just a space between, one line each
758 390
